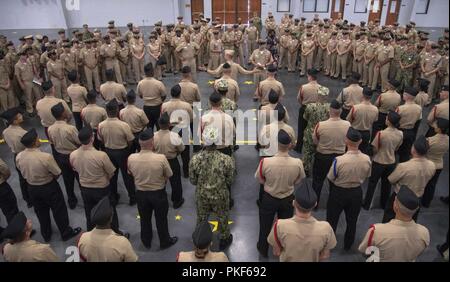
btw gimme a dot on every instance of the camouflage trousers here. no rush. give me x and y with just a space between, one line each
217 204
405 77
309 149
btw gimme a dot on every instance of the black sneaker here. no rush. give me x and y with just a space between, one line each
74 233
179 204
172 241
225 243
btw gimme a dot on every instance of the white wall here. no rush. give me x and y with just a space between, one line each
351 16
31 14
437 15
97 13
406 10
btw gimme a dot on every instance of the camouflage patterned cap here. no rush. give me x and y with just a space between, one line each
222 85
323 91
210 136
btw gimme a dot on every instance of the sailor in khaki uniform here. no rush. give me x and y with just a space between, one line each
112 90
384 56
8 98
25 74
307 94
8 200
12 135
438 148
202 239
278 174
308 46
265 111
89 57
171 145
190 92
41 171
117 136
410 117
384 146
95 170
64 138
187 51
233 91
430 65
414 173
362 116
20 248
270 83
182 116
135 118
137 49
236 69
344 46
440 110
346 175
386 101
252 35
401 239
77 94
329 136
151 172
153 92
102 244
302 238
350 95
215 51
109 51
93 115
423 99
261 58
57 75
44 105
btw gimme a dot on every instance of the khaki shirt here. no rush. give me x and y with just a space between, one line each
222 121
431 62
422 99
252 33
135 117
151 91
265 112
330 136
350 96
64 137
110 90
38 168
384 53
233 88
397 241
280 173
69 61
24 70
362 116
93 115
89 57
261 57
78 96
388 101
5 173
94 167
309 93
29 251
187 51
302 240
385 144
414 173
235 70
216 46
441 110
210 257
114 133
350 170
109 51
438 147
55 67
269 134
12 135
266 85
168 144
181 108
104 245
409 113
44 109
150 170
190 92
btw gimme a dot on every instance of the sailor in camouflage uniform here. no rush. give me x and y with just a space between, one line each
228 105
212 172
314 113
408 61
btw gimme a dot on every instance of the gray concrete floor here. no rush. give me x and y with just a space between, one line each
244 215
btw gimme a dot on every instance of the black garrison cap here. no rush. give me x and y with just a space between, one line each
202 236
411 91
164 119
407 198
146 135
283 137
57 110
353 135
29 138
394 118
10 115
367 92
335 105
85 135
305 196
102 212
421 145
112 105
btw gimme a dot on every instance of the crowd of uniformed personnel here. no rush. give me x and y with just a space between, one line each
344 141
